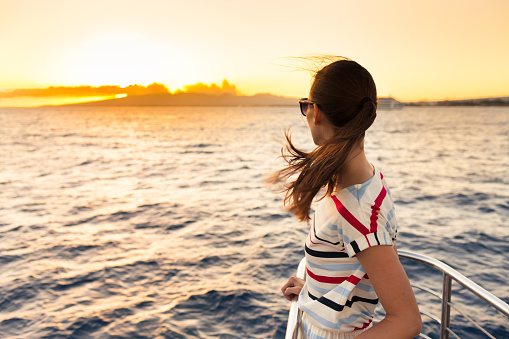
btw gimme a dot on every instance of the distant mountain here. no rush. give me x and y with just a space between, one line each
194 99
266 99
197 99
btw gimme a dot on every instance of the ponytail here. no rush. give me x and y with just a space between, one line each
346 93
317 169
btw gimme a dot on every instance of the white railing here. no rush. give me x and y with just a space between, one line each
292 330
448 274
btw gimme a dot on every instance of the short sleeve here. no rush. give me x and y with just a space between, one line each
364 241
368 221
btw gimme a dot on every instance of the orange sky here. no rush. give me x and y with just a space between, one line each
415 50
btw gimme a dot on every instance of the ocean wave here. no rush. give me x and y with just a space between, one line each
125 229
240 309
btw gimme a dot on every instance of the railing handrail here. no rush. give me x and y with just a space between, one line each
448 274
293 316
458 277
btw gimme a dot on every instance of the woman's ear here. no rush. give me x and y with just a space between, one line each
317 116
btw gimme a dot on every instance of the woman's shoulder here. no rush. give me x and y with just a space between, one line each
363 191
359 200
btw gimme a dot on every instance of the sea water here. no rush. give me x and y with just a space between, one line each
155 222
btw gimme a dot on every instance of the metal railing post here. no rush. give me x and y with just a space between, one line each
446 308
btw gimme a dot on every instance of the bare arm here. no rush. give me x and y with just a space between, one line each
391 284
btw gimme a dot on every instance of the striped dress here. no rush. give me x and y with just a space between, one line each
338 296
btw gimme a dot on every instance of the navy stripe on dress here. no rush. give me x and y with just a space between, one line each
325 254
335 306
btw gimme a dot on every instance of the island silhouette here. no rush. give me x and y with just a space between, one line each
155 94
201 94
194 99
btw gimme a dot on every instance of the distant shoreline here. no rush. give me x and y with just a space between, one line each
258 100
263 99
493 101
193 99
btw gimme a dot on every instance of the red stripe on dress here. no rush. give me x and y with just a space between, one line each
349 216
375 208
333 280
363 326
312 240
353 279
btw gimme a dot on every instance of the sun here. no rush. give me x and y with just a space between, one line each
119 58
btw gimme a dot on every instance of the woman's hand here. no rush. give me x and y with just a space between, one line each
292 288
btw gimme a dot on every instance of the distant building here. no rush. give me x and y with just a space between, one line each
389 103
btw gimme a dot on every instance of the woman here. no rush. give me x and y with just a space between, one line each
352 261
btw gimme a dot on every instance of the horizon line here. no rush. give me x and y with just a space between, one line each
261 104
160 88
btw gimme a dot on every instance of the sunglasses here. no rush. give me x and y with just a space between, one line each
304 104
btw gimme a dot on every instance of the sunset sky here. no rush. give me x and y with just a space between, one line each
415 50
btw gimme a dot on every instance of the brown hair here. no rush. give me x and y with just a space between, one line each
339 89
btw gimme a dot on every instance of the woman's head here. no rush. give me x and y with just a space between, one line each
346 93
344 96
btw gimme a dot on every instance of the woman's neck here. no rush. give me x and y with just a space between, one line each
356 169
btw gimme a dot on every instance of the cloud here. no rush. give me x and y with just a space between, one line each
85 91
213 89
154 88
102 91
